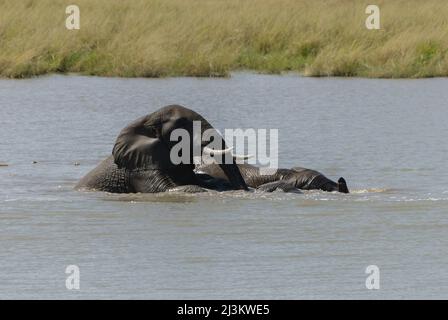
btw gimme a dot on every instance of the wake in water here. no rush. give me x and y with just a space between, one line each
361 195
371 190
252 194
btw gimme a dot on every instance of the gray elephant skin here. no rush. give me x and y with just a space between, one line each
281 179
140 160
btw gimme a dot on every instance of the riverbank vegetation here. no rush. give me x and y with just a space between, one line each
154 38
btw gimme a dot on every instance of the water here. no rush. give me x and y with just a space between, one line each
386 137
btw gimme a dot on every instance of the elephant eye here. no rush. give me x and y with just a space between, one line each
151 131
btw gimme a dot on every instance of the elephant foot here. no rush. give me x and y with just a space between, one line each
278 185
190 188
342 185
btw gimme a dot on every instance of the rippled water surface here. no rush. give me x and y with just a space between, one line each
386 137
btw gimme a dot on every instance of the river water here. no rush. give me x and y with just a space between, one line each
386 137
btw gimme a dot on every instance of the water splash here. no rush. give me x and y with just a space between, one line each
371 190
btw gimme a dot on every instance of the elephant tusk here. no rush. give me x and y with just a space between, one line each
242 156
212 152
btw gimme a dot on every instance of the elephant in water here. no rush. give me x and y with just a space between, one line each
283 179
141 157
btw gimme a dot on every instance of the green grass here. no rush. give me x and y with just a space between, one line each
158 38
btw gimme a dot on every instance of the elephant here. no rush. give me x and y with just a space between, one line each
141 157
284 179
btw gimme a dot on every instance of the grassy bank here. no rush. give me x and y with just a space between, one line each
152 38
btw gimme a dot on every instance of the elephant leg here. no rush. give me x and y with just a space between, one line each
284 186
190 188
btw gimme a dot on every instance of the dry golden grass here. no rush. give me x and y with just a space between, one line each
152 38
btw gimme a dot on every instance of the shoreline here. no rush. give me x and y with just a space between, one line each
231 74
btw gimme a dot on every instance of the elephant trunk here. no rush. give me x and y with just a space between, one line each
231 170
234 175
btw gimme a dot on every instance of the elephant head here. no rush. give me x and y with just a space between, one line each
311 179
147 143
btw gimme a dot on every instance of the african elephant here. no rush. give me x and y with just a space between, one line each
283 179
141 157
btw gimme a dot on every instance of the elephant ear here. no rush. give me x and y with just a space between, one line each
139 146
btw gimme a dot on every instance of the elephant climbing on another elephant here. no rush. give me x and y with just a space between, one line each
141 159
283 179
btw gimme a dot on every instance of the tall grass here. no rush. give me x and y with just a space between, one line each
153 38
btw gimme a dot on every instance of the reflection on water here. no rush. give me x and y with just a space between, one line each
386 137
